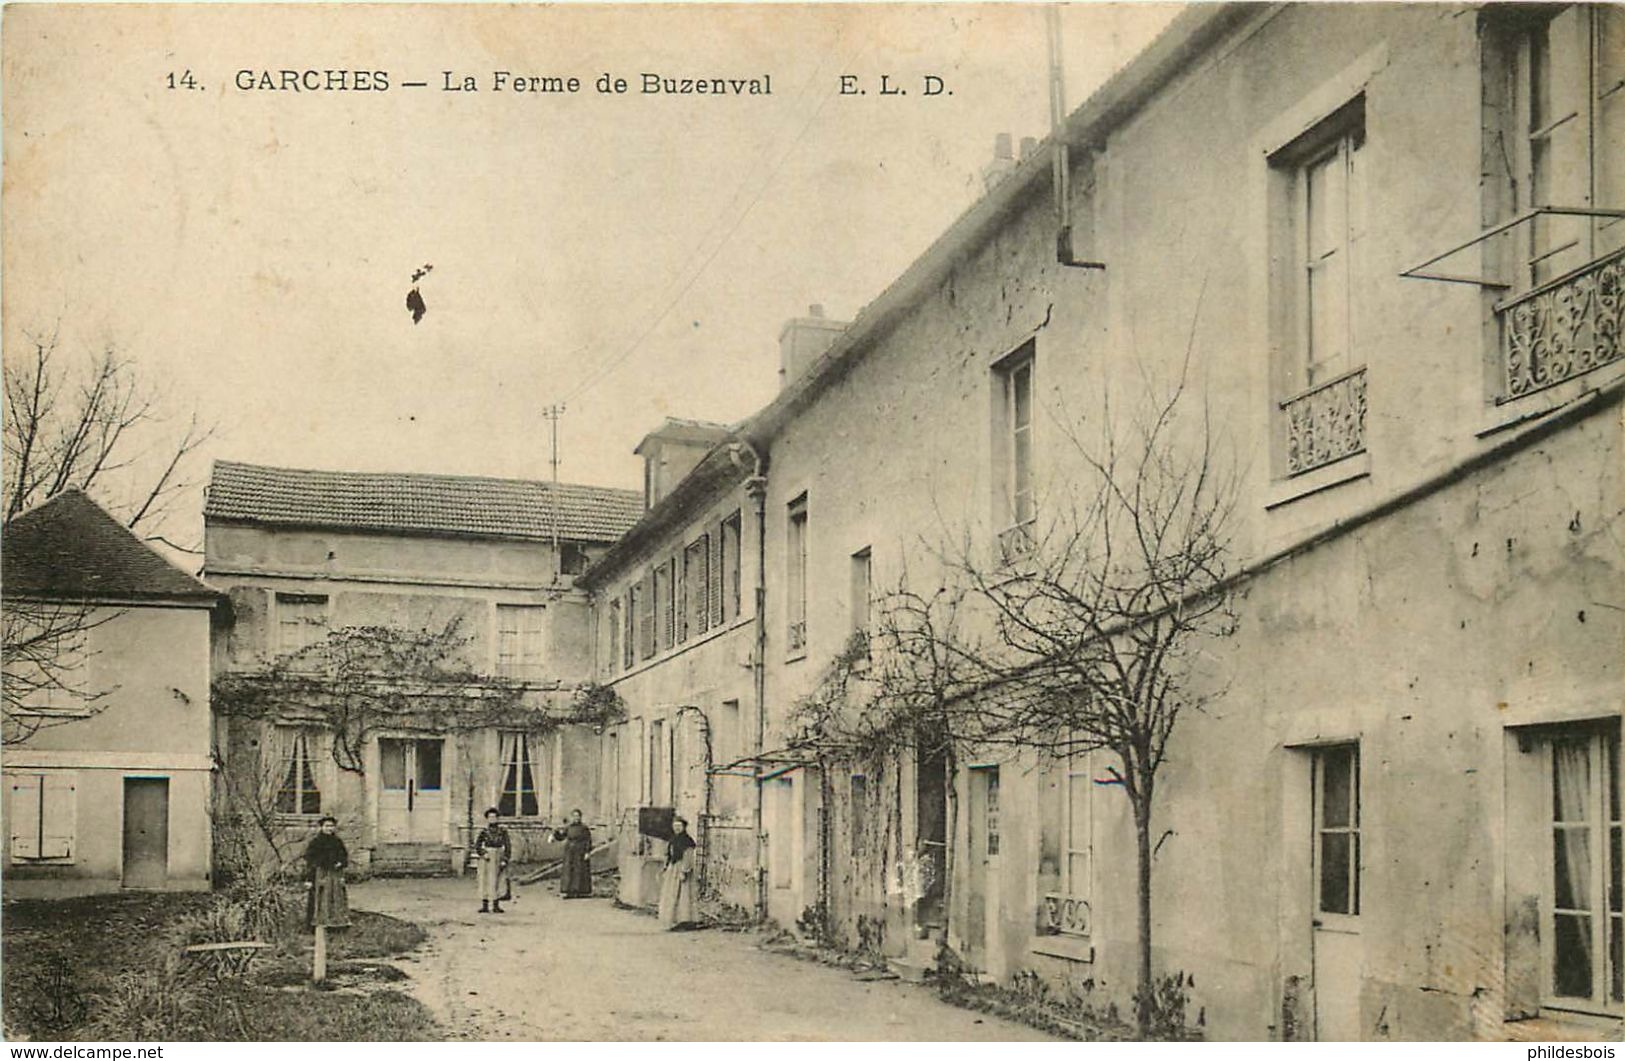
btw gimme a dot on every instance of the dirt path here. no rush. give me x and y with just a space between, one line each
583 970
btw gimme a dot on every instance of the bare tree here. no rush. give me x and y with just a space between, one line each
46 663
1078 631
88 426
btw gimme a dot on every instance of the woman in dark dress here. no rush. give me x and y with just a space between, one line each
325 859
577 880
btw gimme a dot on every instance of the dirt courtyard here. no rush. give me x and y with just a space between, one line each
583 970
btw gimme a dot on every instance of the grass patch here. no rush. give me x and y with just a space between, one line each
110 967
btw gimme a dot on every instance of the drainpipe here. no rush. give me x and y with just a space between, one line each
756 489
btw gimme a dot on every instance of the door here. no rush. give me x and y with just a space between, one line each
1339 957
411 805
146 832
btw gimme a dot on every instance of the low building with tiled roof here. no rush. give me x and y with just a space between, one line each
421 503
305 555
107 707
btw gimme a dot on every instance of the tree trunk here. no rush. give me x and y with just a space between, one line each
1142 837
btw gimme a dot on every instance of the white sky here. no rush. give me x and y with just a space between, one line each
252 250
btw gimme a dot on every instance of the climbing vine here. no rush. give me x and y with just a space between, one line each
360 679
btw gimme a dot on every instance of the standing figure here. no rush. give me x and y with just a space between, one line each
325 859
576 883
492 848
677 890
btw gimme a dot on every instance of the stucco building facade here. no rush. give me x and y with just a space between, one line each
1391 289
469 564
107 758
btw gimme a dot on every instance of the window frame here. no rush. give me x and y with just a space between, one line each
797 526
1529 30
732 576
1352 827
524 756
1602 823
521 652
283 601
309 778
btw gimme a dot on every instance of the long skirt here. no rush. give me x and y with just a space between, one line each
577 880
493 876
329 902
676 897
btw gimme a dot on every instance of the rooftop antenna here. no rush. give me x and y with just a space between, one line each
552 414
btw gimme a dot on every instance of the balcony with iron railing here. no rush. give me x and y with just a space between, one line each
1563 328
1552 328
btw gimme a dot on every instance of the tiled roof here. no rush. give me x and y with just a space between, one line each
70 548
419 503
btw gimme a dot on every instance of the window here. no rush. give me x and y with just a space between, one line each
298 792
862 590
659 784
795 560
301 621
518 797
990 780
730 568
1567 108
1016 501
41 815
1337 829
1318 183
697 577
727 747
612 631
520 641
1584 920
679 616
1078 826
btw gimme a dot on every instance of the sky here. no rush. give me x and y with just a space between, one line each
631 256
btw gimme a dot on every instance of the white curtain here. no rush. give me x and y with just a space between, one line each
1571 794
507 752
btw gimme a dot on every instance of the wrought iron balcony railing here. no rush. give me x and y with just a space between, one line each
798 636
1325 423
1564 328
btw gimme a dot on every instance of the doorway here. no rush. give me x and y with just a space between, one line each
1339 956
931 833
411 803
146 832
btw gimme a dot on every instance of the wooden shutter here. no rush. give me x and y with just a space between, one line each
646 616
56 817
714 583
25 815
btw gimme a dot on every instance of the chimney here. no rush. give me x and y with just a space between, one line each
1029 144
1003 164
804 340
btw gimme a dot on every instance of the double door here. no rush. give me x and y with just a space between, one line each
411 800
